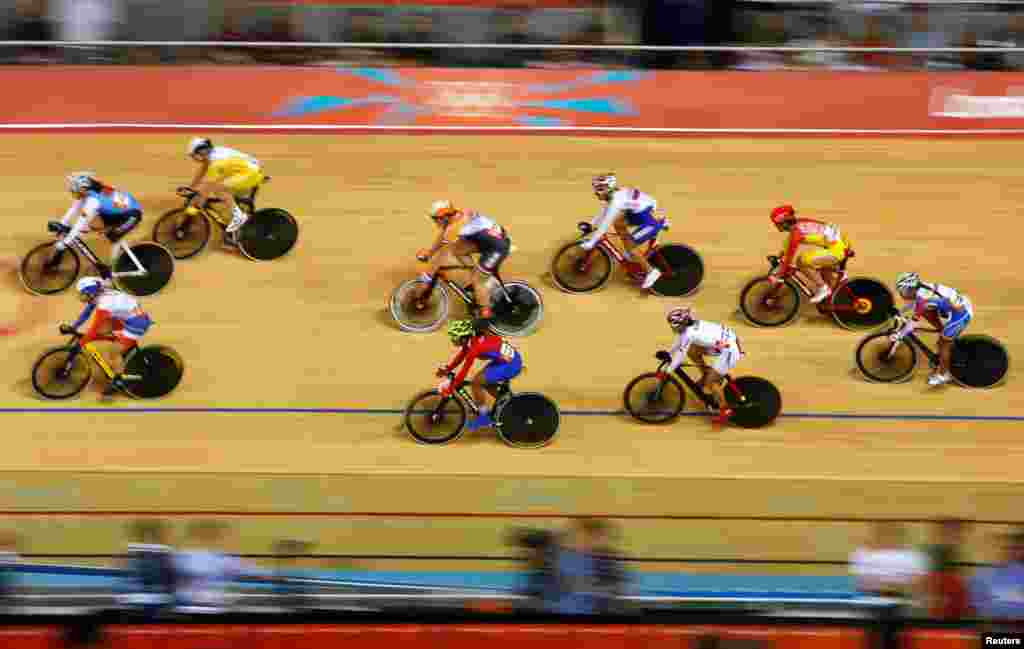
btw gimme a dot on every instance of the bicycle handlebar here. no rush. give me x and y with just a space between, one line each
57 227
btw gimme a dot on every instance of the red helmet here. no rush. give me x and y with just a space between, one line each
783 213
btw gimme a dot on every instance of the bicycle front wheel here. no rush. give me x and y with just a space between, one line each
43 279
575 270
184 235
881 360
415 313
649 400
61 373
766 305
432 419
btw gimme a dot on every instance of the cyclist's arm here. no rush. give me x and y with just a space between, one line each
89 213
74 209
795 239
102 319
679 350
455 361
440 242
86 312
203 167
470 358
603 222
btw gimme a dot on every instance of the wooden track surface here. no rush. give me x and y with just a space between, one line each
310 330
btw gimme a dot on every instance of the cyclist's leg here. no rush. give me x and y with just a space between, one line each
714 377
814 260
621 226
116 234
487 267
950 332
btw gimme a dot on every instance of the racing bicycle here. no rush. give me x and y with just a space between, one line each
140 268
269 233
855 303
977 360
420 306
63 372
522 419
755 402
576 270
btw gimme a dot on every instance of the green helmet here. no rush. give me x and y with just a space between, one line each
459 329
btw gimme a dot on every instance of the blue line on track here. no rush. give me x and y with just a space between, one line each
393 411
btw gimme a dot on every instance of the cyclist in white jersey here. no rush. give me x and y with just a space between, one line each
700 338
945 308
626 207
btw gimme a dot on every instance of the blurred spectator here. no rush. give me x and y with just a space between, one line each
875 37
512 27
978 60
677 23
288 553
769 31
88 20
947 596
233 30
998 593
151 567
924 34
540 548
827 34
588 575
205 573
888 567
8 561
1012 35
611 577
30 21
421 28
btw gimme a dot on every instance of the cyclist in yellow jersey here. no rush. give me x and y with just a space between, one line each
224 173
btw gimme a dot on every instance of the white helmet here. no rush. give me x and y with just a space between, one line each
679 317
90 286
907 282
604 184
442 210
80 181
198 144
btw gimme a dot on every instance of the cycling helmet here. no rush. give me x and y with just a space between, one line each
442 210
907 283
80 181
782 214
199 144
604 184
459 329
90 286
679 317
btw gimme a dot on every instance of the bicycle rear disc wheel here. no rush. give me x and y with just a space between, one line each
528 420
415 315
765 305
158 262
160 370
572 276
686 266
863 303
520 316
36 278
184 235
432 419
644 402
979 361
57 376
760 405
269 234
876 363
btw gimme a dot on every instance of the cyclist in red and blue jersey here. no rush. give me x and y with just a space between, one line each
99 207
505 364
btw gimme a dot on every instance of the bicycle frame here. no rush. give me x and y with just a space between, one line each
83 248
98 359
439 276
929 353
618 255
696 388
803 283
